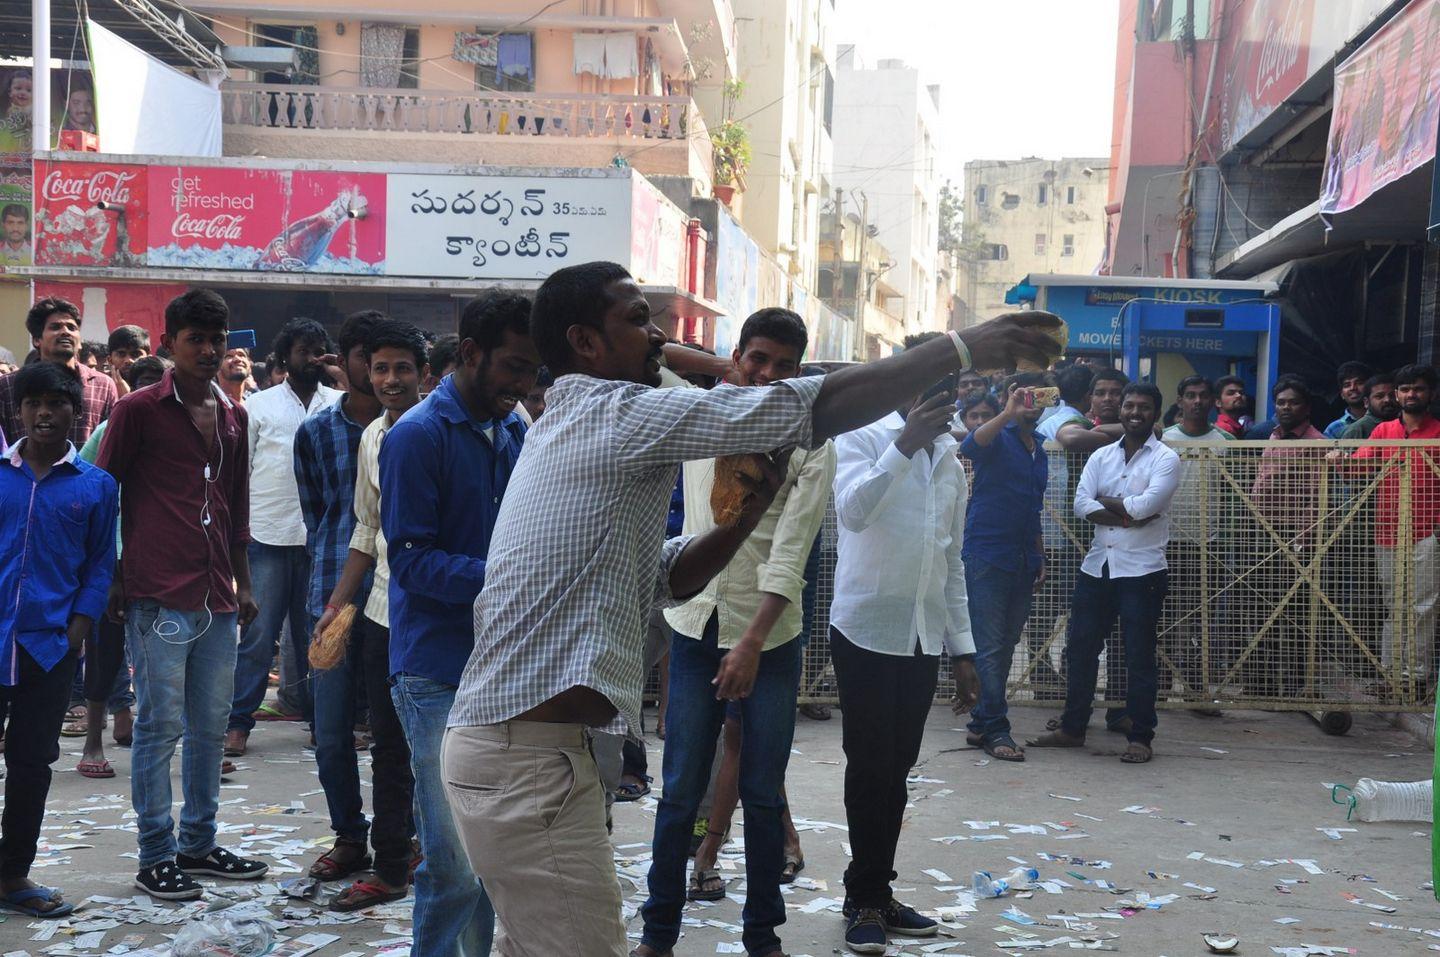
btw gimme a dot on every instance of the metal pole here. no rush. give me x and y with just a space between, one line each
862 284
40 76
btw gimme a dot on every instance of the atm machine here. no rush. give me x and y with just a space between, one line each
1162 330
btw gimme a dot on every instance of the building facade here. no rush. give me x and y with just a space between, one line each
1306 159
887 146
1026 216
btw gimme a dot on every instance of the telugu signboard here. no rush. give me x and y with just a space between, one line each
503 227
220 217
90 214
1387 106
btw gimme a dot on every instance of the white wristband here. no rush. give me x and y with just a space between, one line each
962 349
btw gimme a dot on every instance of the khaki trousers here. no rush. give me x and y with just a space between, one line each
530 810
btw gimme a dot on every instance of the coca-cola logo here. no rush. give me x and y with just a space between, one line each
224 226
1283 45
103 186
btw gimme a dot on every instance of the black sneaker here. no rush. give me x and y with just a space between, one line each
903 920
865 930
167 882
221 863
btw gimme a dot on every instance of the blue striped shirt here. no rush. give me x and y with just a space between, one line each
327 448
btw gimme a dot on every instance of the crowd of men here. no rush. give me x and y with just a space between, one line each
507 530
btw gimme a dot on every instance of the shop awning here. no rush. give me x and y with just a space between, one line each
663 300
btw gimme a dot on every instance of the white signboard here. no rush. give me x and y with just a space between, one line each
503 227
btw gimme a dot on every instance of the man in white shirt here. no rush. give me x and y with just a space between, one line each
900 599
1125 492
279 563
737 638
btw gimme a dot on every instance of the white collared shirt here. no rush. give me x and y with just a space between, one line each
1145 485
275 417
899 579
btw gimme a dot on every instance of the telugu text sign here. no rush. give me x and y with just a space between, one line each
503 227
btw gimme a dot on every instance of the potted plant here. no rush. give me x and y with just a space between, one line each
731 143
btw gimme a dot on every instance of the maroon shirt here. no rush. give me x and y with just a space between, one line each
98 399
154 450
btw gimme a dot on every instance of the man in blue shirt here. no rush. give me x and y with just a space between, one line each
1004 554
1350 381
57 558
443 472
326 447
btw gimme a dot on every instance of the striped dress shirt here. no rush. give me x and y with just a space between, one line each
579 555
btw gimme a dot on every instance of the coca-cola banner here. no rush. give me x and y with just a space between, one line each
262 219
1271 47
89 214
504 227
1387 105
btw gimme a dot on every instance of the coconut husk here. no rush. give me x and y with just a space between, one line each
328 650
729 492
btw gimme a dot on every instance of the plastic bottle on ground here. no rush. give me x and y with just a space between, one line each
1394 800
985 885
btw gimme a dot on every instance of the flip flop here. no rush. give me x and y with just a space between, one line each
330 867
77 723
632 791
16 902
363 894
697 891
993 745
95 769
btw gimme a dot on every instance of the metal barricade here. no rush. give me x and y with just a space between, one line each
1301 578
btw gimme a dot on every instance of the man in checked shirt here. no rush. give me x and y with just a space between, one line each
560 653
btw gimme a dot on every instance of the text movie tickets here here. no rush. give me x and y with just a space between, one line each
90 214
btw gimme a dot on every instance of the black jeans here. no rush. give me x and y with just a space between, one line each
104 657
1097 603
392 822
37 703
884 701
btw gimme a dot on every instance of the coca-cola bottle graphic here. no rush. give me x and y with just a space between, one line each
301 244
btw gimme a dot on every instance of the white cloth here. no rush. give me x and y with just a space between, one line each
589 53
579 555
275 417
1061 415
622 56
898 577
1145 485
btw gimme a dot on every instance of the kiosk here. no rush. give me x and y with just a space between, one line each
1162 330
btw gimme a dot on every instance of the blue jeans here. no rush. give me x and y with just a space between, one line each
334 695
1093 610
693 720
452 911
280 578
998 610
184 677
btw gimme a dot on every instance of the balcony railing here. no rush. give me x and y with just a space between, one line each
368 109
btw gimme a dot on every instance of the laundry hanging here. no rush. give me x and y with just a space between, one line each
590 53
622 58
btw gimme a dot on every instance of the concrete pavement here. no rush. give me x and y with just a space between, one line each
1245 789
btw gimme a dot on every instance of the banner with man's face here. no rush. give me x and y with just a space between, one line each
15 217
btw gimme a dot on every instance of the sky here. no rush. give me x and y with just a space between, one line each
1018 77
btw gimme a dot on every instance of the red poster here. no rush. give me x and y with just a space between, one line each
286 220
1387 105
1267 56
89 214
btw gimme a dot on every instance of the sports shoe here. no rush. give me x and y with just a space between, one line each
221 863
167 882
905 921
865 931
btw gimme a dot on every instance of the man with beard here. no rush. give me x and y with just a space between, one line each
444 470
326 449
278 559
1125 492
1233 405
579 558
1350 379
1415 387
1380 406
14 235
54 327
